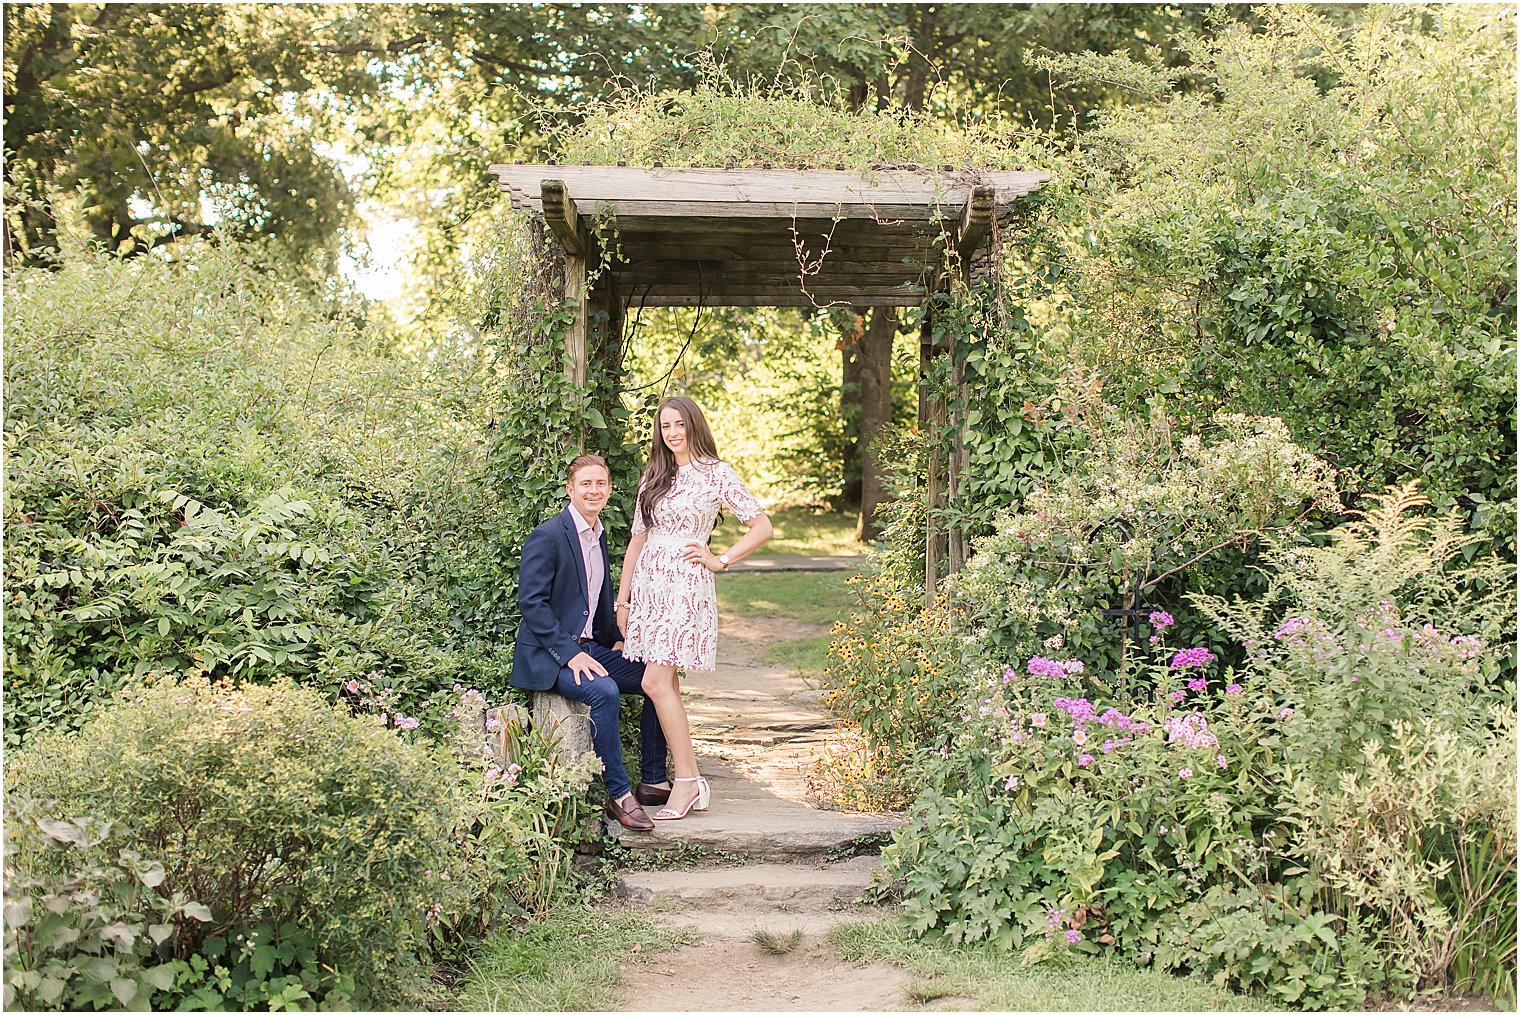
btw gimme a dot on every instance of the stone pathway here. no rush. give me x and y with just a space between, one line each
757 727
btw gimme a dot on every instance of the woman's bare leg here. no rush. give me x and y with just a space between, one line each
664 689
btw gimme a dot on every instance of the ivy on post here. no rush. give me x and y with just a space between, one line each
564 222
972 231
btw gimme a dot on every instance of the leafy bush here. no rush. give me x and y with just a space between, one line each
85 930
1279 826
269 806
1385 624
216 465
1336 248
1420 837
1140 504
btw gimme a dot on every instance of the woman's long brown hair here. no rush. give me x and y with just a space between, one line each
660 473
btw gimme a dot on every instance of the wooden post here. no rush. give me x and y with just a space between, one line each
564 221
576 333
932 417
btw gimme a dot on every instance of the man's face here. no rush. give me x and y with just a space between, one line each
589 489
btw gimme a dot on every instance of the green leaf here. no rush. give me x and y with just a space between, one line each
125 990
594 417
160 977
196 911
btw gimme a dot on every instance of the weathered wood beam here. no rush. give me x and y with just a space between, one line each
564 221
793 297
577 334
976 220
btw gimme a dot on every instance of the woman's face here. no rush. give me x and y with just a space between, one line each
673 430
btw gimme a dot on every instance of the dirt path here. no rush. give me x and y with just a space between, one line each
757 728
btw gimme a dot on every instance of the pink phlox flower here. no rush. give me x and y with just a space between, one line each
1080 709
1222 762
1197 684
1008 675
1160 619
1073 936
1233 689
1040 666
405 722
1186 773
1177 696
1085 760
1285 713
1190 730
1190 657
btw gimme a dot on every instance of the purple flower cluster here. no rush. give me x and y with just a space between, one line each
1294 626
1190 731
1040 666
1160 619
1190 657
1198 684
1083 711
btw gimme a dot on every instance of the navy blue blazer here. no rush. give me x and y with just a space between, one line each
551 596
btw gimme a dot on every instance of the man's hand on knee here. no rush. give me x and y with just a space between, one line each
582 664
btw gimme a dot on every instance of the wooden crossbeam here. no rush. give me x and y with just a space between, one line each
976 219
563 220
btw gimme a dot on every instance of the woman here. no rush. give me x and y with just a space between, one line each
667 604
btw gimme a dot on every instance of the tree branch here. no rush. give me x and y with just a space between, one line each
354 48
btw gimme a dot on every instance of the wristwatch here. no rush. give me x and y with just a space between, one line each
723 559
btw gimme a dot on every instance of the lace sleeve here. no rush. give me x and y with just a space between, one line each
733 492
638 511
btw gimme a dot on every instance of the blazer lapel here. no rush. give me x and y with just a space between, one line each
573 537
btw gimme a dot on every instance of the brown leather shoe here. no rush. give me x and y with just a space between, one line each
651 795
630 817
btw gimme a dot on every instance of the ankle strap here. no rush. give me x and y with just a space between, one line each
695 778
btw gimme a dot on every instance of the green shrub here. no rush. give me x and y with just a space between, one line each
1386 623
1419 839
1316 223
1142 503
270 806
215 465
1327 819
85 929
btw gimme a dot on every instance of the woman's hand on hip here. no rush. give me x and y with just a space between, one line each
697 553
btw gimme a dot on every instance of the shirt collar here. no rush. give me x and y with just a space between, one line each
582 526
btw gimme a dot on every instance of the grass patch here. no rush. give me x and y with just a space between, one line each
806 657
571 961
773 943
800 532
995 981
810 596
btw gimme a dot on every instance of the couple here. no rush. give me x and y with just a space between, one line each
577 641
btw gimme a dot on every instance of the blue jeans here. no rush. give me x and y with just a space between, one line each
603 696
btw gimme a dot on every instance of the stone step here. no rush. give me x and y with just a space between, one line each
792 888
747 819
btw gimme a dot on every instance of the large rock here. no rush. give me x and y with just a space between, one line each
566 721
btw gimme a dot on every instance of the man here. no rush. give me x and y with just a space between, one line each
569 641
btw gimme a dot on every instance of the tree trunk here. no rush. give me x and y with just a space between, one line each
874 360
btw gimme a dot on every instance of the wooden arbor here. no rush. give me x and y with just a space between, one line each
769 238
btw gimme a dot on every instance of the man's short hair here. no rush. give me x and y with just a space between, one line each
579 462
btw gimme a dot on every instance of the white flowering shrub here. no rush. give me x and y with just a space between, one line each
1140 505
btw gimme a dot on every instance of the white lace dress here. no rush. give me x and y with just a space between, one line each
673 604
